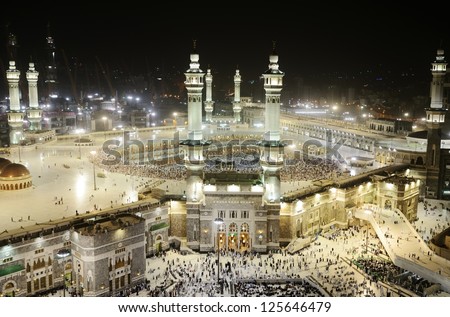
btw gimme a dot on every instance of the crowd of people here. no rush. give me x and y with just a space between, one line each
441 222
297 288
386 271
240 160
255 274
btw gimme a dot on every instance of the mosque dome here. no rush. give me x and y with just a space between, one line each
3 163
14 170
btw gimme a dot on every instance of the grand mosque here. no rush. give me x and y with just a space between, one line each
246 195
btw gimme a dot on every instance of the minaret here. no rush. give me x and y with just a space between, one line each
15 114
193 149
34 113
435 120
272 149
237 97
194 86
209 104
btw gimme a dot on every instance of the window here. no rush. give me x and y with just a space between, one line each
121 250
245 214
221 214
233 214
195 233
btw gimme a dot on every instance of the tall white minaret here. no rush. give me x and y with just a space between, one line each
237 97
209 103
273 83
438 70
194 85
271 149
34 113
193 149
435 120
15 114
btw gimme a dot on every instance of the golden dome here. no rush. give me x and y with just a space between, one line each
3 163
14 170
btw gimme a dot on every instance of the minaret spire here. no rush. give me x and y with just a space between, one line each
193 149
209 103
15 114
194 86
193 145
237 97
271 149
435 120
34 113
273 84
438 70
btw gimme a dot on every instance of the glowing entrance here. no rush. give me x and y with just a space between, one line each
221 237
244 238
232 237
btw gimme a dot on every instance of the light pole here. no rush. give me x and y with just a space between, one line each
153 119
93 168
175 120
79 144
218 221
63 254
104 126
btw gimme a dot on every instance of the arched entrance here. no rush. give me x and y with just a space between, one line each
9 290
232 237
220 238
67 274
158 244
244 238
419 160
387 204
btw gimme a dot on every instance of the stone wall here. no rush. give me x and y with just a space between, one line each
177 225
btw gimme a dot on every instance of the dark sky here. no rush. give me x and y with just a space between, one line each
310 39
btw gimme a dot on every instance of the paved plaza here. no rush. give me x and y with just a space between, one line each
63 182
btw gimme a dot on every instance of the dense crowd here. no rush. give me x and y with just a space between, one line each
236 159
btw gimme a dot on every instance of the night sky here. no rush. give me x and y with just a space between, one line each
310 39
